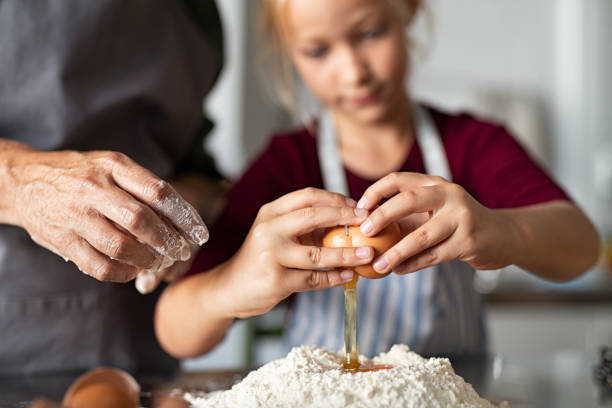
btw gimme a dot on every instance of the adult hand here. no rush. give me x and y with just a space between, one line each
101 210
278 257
166 270
208 197
440 220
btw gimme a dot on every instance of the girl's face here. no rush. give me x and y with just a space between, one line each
351 54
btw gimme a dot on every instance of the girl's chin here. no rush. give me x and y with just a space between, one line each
369 115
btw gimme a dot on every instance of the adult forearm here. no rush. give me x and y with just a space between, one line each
554 240
190 318
10 153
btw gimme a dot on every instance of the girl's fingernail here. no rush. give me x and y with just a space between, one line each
380 264
362 252
367 226
360 212
362 203
346 275
350 202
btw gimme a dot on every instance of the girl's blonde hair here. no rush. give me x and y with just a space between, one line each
276 65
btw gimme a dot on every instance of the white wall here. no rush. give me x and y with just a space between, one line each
243 113
225 104
495 58
599 110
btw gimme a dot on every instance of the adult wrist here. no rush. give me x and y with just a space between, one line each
13 156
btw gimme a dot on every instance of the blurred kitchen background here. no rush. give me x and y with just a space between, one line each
543 68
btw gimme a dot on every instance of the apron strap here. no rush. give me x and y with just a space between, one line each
332 169
432 149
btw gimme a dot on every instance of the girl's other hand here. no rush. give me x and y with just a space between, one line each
280 255
440 222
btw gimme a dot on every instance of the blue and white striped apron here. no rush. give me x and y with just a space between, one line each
435 311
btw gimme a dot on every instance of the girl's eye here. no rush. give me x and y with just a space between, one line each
373 32
315 52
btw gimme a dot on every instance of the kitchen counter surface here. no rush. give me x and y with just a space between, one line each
548 297
562 379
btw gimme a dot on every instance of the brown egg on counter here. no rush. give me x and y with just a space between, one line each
103 388
385 239
42 403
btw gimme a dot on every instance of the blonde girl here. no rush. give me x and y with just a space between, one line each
464 192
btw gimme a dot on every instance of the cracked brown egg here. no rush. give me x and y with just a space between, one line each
385 239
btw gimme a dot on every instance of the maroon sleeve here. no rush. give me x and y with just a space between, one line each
487 161
278 170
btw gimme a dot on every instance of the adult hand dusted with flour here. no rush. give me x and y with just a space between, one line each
114 219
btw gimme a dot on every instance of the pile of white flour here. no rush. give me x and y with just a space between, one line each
313 377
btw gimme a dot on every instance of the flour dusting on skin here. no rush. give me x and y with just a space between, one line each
174 247
313 377
182 214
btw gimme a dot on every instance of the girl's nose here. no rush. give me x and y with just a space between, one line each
353 67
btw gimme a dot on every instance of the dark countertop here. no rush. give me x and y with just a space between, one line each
558 380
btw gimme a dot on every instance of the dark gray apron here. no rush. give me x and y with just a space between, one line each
128 76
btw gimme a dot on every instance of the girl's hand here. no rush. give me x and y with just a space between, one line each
440 222
278 257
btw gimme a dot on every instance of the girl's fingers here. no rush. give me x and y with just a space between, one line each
420 240
394 183
418 200
435 255
315 257
308 219
298 280
411 222
306 197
